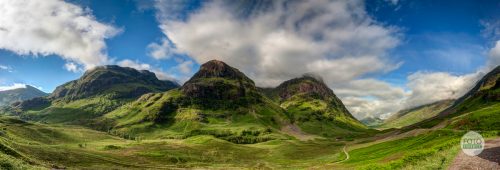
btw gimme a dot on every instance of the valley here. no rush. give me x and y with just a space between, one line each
122 118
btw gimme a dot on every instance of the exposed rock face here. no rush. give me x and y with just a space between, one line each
128 81
219 81
304 85
313 87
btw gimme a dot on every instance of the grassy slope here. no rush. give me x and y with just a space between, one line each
416 115
161 115
80 111
61 146
318 117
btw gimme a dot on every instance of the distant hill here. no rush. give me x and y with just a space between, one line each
416 114
15 95
372 121
478 109
98 91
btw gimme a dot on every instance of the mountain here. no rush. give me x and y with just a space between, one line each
416 114
218 100
98 91
314 107
372 121
218 85
119 82
478 109
15 95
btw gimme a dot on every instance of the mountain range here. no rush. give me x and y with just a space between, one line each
124 118
218 100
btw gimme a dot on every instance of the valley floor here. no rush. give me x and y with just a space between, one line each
27 145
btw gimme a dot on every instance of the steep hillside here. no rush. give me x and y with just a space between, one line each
98 91
315 108
414 115
218 100
478 109
15 95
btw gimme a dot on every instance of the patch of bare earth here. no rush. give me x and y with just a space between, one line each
295 131
488 159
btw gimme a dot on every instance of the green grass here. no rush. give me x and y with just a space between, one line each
481 119
416 115
434 150
74 147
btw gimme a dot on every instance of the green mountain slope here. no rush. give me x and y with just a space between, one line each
15 95
414 115
314 107
98 91
478 109
218 100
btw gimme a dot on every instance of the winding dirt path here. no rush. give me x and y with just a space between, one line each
488 159
346 153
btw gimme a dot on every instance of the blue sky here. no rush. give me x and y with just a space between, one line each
406 40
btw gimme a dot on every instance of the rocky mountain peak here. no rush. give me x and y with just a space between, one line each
307 84
219 81
108 78
219 69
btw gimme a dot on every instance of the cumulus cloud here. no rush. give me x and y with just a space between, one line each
371 97
32 27
494 55
70 66
185 67
335 39
428 87
12 86
160 51
309 37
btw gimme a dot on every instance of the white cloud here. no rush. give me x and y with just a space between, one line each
185 67
13 86
428 87
335 39
33 27
160 51
6 68
160 74
494 55
70 66
371 97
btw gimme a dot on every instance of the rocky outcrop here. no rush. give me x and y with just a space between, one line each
219 81
304 85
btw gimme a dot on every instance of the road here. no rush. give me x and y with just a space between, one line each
488 159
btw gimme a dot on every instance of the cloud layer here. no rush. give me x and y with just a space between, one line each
32 27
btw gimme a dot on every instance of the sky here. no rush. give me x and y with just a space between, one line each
378 56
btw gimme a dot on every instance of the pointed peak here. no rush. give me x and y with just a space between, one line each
216 68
